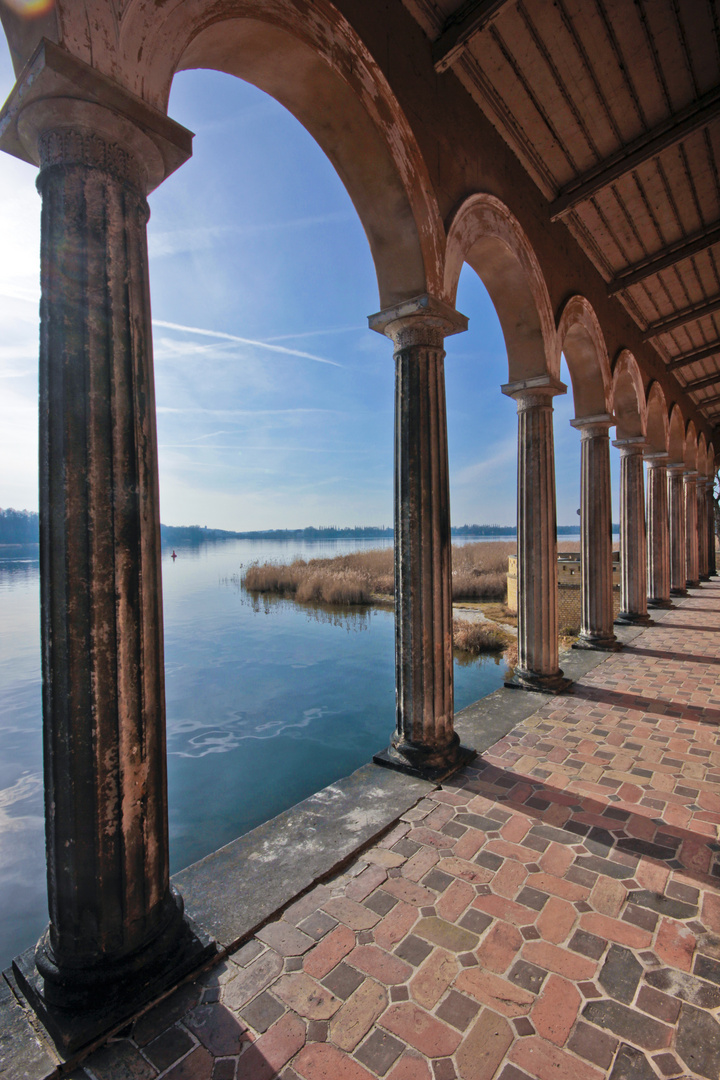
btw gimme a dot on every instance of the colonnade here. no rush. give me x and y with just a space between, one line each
117 928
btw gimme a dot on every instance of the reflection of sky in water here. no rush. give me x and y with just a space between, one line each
267 702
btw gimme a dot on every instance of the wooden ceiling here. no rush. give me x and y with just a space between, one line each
613 108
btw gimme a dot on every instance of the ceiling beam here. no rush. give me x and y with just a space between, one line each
662 260
692 357
673 130
682 318
700 384
470 19
708 401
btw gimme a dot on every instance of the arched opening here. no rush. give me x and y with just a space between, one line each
484 234
658 427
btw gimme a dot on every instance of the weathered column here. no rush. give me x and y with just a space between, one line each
424 742
703 571
658 532
596 631
710 515
676 501
116 934
537 667
691 528
633 565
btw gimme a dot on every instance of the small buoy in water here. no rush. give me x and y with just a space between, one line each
173 556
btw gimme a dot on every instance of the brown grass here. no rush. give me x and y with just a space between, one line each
479 637
479 573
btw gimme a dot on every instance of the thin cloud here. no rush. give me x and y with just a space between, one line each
317 333
221 335
210 236
472 473
199 410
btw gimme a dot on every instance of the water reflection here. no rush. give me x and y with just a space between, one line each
267 702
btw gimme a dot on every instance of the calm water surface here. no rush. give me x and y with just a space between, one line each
267 702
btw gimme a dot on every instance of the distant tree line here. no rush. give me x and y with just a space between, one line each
19 527
22 527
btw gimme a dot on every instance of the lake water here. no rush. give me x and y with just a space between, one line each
267 702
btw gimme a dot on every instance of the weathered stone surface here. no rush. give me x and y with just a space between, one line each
357 1015
446 935
685 987
293 850
306 997
629 1024
664 905
698 1042
632 1064
621 974
484 1046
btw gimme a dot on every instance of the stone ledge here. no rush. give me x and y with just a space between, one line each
236 889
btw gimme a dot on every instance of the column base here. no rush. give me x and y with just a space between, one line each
704 577
543 684
660 602
693 584
633 618
114 993
678 592
422 761
602 644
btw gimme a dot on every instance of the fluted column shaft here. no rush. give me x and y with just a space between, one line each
633 558
424 738
537 666
703 572
676 501
710 515
658 532
691 528
596 630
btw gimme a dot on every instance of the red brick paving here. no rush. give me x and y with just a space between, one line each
551 913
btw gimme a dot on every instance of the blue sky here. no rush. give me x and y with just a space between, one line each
275 402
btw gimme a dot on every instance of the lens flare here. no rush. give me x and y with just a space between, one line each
30 9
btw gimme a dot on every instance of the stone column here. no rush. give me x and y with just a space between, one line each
658 532
703 571
676 501
537 667
424 742
691 529
710 515
633 565
596 631
116 934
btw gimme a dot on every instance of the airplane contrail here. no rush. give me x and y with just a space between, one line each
244 341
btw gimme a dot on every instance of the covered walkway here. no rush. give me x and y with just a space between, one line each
553 911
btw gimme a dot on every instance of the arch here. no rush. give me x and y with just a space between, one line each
484 234
629 398
658 428
702 455
676 436
691 447
711 467
309 58
580 338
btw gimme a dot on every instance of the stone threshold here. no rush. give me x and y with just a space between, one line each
232 892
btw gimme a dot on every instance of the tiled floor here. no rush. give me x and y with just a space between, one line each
552 913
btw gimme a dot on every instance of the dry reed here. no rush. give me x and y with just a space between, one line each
479 637
479 573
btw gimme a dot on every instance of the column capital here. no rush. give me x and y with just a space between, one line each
634 444
539 386
59 94
593 425
691 474
424 314
655 457
675 468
